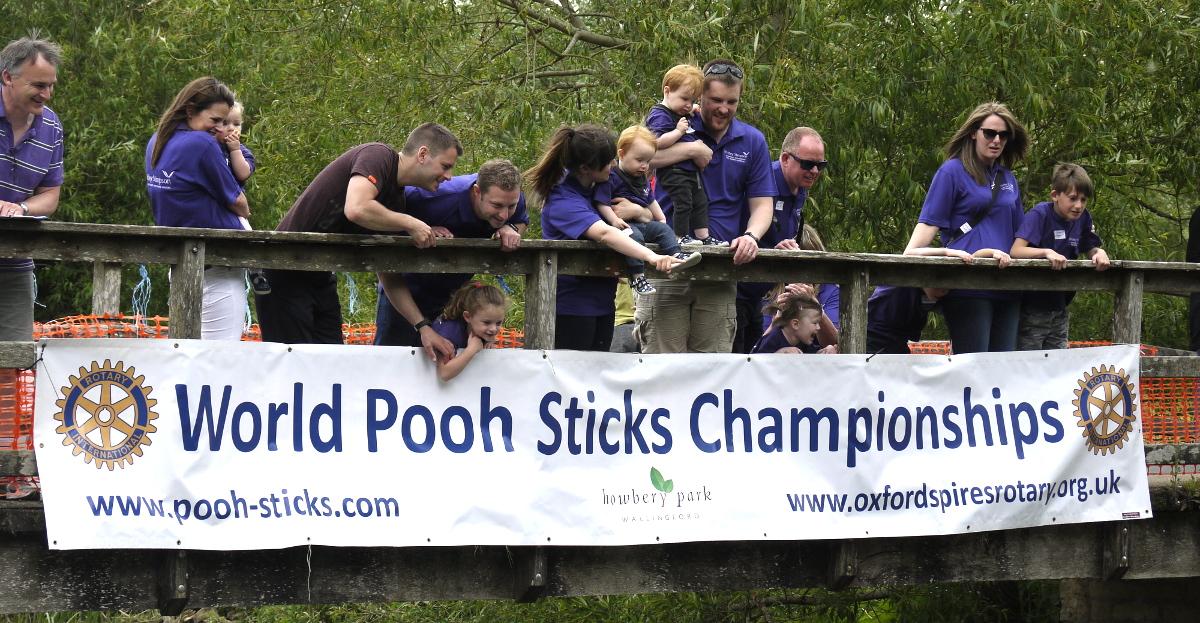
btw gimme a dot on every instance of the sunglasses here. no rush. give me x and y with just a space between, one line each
724 68
809 165
991 135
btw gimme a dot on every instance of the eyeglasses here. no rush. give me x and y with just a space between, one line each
809 165
724 68
990 135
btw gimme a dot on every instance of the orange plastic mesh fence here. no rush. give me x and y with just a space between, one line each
1169 409
932 347
1169 406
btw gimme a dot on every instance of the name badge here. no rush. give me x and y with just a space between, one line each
965 228
1060 234
779 206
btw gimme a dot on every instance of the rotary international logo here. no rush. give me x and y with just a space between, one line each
1104 404
106 415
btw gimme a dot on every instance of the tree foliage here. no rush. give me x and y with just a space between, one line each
1110 85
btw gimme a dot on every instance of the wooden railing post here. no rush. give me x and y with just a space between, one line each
106 288
1127 309
853 313
187 290
541 289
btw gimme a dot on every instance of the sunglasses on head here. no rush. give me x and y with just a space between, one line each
724 68
992 134
808 165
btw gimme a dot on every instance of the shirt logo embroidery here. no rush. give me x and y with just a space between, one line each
1009 187
740 158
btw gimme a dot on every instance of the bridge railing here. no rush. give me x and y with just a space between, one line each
45 581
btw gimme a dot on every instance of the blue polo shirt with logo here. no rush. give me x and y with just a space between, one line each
740 170
567 215
954 198
35 162
449 206
1043 228
191 185
787 215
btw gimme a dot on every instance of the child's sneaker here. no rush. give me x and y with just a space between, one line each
713 241
259 283
686 240
689 260
640 285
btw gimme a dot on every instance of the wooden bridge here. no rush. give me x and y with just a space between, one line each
1136 570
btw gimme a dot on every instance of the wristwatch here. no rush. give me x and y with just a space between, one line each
422 324
24 209
752 236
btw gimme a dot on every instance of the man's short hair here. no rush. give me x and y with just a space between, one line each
29 48
791 142
1067 176
435 136
500 173
723 70
681 76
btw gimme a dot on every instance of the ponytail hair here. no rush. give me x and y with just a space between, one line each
586 145
791 309
195 97
473 297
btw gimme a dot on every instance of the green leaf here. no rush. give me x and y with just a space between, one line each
660 483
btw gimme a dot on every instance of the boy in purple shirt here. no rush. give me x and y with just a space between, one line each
1057 230
670 122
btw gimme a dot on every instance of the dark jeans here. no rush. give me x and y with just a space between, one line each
653 232
583 332
981 325
749 325
689 204
302 308
391 329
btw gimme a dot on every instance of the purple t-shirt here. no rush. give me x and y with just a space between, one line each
955 198
35 162
449 206
455 331
773 340
740 170
623 185
566 215
787 216
661 120
1042 228
191 185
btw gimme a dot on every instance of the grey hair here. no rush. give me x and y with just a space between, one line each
28 48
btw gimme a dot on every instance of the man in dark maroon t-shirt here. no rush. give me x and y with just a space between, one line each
362 191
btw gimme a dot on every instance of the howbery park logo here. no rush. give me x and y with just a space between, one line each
106 414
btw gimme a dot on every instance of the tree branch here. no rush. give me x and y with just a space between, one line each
582 34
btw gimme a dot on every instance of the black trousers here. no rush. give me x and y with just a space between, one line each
749 325
302 308
583 332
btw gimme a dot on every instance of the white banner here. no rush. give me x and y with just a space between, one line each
219 445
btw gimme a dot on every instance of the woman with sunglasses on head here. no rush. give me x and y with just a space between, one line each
975 204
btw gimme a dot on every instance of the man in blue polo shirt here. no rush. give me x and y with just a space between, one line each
31 165
801 161
683 316
480 205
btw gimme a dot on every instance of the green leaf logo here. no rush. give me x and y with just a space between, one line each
660 483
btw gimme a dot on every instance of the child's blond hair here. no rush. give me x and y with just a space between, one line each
633 134
681 76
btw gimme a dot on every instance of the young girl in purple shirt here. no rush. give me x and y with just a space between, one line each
191 185
471 321
585 310
796 321
975 204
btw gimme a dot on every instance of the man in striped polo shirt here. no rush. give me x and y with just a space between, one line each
31 159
